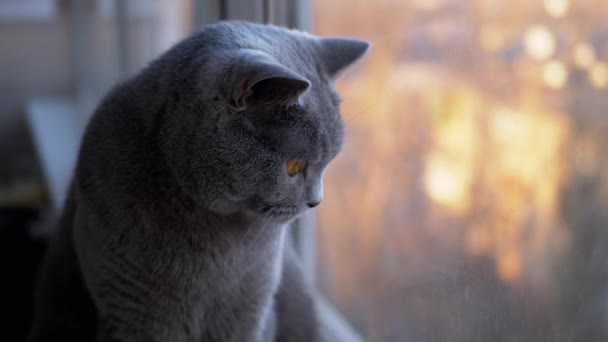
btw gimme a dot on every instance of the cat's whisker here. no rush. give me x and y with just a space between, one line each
238 250
261 229
354 116
245 236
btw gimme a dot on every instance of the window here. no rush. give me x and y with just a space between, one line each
471 200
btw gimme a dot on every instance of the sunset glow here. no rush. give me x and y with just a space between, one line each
539 42
599 75
557 8
584 55
554 74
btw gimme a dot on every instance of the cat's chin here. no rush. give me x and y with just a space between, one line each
268 214
285 219
276 218
280 215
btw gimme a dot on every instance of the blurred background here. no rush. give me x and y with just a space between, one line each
470 202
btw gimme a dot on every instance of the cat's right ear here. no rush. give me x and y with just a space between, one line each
255 80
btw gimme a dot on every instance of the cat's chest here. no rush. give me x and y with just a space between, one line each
232 297
178 285
189 268
248 259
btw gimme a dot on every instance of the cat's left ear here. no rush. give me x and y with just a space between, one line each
256 80
338 53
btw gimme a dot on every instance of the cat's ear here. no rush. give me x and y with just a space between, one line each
339 53
255 80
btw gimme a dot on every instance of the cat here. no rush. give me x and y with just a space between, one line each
176 221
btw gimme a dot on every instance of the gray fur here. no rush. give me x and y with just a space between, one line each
175 225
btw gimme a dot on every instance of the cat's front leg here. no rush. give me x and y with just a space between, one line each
103 332
135 330
297 319
127 307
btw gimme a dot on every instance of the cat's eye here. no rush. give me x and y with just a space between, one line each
294 166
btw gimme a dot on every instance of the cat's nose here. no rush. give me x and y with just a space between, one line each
315 194
313 204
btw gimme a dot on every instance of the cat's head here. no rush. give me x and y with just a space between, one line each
256 131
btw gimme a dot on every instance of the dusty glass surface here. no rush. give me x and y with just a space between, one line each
471 200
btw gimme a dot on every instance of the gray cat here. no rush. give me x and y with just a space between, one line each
175 224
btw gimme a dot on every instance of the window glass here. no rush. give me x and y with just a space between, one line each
470 202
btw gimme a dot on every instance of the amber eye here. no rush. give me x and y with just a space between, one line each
294 166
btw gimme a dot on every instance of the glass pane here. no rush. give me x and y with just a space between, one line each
471 200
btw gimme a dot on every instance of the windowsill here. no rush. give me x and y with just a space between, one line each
334 326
